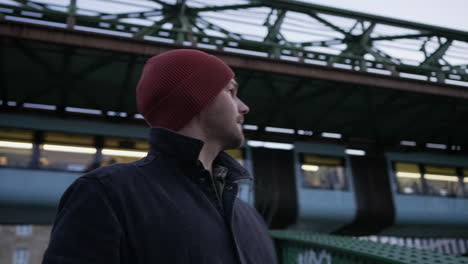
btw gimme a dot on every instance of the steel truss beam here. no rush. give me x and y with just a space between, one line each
149 48
192 22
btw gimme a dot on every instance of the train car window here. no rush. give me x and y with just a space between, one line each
69 152
323 172
237 154
16 146
465 182
123 150
442 181
408 178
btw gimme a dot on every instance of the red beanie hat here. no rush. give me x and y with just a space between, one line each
176 85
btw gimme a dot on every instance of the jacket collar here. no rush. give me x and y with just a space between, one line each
187 149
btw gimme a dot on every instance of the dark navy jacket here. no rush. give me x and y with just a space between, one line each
160 209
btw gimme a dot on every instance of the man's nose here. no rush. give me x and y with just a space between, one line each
243 108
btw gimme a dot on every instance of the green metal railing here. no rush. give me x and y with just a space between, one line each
312 248
281 29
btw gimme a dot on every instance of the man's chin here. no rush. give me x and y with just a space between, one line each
236 142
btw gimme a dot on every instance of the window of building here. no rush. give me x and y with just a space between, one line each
16 146
21 256
23 249
68 152
23 230
465 182
442 181
323 172
123 150
408 178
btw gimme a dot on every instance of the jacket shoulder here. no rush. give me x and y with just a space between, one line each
119 171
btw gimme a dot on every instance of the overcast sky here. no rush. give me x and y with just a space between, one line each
445 13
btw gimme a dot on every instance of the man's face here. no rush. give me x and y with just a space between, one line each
222 119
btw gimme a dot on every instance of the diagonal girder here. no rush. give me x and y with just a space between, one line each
357 44
157 25
382 56
218 28
329 24
274 29
404 36
197 27
274 34
160 2
33 5
226 7
433 59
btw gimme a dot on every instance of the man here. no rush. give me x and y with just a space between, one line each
178 204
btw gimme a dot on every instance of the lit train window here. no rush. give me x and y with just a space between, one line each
408 178
15 147
465 182
323 172
237 154
68 152
442 181
123 150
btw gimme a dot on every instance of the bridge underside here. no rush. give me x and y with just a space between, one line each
69 68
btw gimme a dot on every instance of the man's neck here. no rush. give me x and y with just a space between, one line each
208 155
209 150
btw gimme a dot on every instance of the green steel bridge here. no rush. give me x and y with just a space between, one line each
328 69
